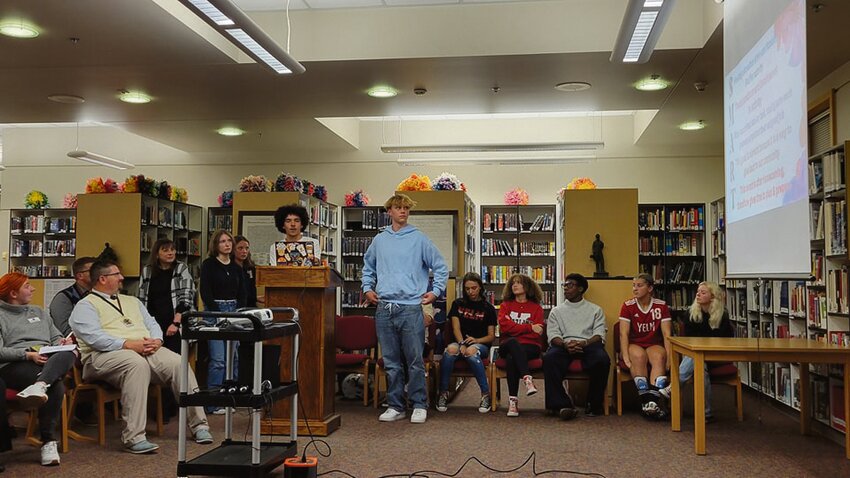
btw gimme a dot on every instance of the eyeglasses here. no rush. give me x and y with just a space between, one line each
569 285
82 272
111 274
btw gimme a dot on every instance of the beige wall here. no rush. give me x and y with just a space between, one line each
840 78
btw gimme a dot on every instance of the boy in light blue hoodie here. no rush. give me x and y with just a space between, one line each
395 278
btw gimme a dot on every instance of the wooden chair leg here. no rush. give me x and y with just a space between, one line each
32 422
159 412
494 390
606 402
619 388
63 420
366 384
116 410
101 419
378 375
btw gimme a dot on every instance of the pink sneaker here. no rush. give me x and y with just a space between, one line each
513 408
530 389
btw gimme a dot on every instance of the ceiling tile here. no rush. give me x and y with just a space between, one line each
266 5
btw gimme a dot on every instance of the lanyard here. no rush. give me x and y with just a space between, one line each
118 307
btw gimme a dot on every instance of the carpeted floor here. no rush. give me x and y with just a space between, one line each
766 444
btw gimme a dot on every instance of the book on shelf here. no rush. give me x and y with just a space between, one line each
537 248
817 267
43 270
817 308
682 245
498 247
656 270
836 285
651 220
835 227
501 222
543 222
797 300
355 246
783 390
833 171
223 222
373 219
650 245
816 221
815 177
840 338
687 218
820 398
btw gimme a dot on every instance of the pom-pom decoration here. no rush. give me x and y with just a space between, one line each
447 182
415 183
357 198
255 184
581 183
321 193
225 199
179 195
36 200
516 197
69 201
100 185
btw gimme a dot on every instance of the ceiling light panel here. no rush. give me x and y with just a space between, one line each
239 35
640 29
18 29
212 13
323 4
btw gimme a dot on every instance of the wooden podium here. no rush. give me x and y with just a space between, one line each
311 290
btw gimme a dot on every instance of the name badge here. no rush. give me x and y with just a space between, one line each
33 320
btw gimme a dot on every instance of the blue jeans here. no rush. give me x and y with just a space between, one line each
686 372
401 334
217 351
447 365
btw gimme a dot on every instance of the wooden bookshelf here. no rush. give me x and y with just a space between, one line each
519 239
42 242
359 226
219 218
672 241
132 222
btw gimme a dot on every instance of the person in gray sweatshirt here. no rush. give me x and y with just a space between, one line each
576 331
24 330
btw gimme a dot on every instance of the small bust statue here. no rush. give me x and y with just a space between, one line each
598 257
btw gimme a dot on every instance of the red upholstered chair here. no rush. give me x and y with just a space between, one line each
32 422
356 343
723 373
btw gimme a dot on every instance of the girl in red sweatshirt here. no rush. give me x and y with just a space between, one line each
521 330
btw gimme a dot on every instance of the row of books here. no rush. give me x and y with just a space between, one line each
355 246
224 222
187 246
26 248
817 267
60 248
352 271
680 297
817 309
841 338
498 247
651 220
154 216
327 244
816 221
323 215
815 177
370 219
537 248
501 274
682 245
543 222
686 272
784 385
836 285
42 224
353 298
719 244
181 219
469 245
655 270
687 219
835 226
833 171
736 304
501 222
43 270
792 300
650 245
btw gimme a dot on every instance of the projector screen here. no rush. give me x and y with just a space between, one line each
767 208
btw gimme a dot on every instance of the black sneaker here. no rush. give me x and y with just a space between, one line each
443 402
567 413
593 412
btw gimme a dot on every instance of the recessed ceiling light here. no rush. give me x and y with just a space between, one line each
382 91
572 86
230 131
67 99
653 83
692 125
18 29
135 97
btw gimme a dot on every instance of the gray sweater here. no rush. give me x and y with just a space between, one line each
22 327
576 321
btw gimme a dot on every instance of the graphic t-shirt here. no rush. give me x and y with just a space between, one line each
474 316
515 320
645 326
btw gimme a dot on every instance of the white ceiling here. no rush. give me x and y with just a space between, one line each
197 87
265 5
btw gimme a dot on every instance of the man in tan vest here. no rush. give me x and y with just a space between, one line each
121 345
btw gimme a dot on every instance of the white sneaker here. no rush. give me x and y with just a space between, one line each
530 389
33 396
419 415
391 415
665 392
49 454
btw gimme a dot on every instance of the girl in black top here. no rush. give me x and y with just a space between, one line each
708 318
168 291
242 256
222 289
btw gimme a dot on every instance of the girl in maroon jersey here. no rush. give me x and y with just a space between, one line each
521 330
645 327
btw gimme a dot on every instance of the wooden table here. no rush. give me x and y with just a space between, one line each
802 351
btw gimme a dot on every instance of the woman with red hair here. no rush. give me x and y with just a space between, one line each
24 330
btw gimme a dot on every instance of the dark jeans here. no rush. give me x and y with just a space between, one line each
516 356
20 375
556 364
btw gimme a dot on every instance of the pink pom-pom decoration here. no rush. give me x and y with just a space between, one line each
69 201
516 197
